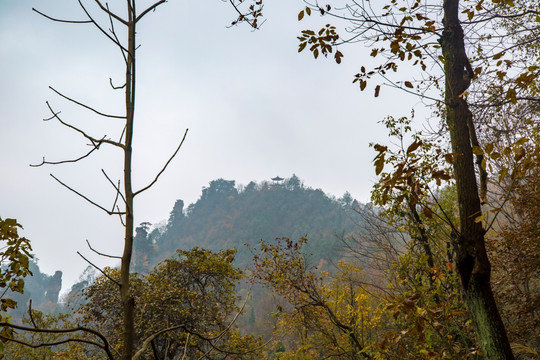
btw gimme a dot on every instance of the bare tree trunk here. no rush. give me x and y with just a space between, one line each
128 302
472 262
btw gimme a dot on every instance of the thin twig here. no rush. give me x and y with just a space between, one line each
244 17
104 346
164 167
102 254
185 347
111 14
153 7
122 134
113 31
92 139
87 199
63 21
30 313
120 216
43 162
149 339
101 29
86 106
116 187
116 87
53 343
99 269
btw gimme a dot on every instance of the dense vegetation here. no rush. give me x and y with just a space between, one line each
226 217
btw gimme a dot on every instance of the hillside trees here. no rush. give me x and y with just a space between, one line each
430 36
108 21
186 307
226 216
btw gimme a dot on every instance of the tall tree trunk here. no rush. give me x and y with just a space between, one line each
472 262
128 302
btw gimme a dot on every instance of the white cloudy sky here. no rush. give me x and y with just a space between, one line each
255 108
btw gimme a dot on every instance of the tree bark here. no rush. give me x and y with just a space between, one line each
472 262
128 302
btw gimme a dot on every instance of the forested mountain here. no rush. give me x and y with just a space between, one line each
41 288
229 216
225 216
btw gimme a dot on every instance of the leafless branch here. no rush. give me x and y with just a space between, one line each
87 199
31 314
101 29
149 339
164 167
120 216
43 162
110 13
116 87
100 253
63 21
122 134
86 106
151 8
116 187
99 269
105 346
92 139
185 347
54 343
113 31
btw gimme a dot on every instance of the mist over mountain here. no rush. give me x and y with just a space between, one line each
225 216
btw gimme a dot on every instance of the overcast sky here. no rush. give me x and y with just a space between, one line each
255 108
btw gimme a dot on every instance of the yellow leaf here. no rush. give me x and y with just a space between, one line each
408 84
300 15
521 141
413 146
379 165
427 212
477 150
499 55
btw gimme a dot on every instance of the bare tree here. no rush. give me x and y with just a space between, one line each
123 205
